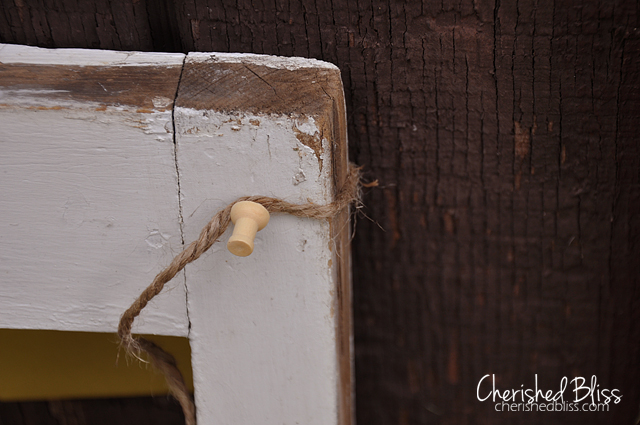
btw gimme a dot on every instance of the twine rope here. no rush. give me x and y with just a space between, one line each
160 359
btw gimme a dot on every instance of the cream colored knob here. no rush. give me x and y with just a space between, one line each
248 217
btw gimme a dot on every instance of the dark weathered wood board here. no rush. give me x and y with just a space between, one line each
503 135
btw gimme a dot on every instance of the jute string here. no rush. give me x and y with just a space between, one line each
163 361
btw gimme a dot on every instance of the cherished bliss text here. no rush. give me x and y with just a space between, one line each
581 396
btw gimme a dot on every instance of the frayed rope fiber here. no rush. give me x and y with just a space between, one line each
163 361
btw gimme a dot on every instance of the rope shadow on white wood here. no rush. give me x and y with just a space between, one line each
160 359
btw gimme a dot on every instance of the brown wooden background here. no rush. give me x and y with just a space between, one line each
504 137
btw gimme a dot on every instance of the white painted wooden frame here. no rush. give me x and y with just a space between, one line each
111 161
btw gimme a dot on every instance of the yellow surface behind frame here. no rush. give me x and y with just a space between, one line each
40 365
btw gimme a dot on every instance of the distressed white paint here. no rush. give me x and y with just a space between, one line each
262 327
11 54
90 213
277 62
89 208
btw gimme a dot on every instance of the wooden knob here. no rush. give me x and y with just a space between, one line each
248 217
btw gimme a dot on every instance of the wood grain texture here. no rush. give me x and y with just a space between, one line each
503 136
114 88
227 84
